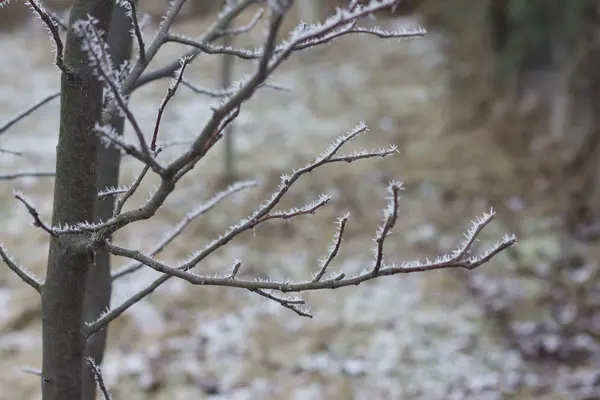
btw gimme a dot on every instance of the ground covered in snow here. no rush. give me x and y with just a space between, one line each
412 336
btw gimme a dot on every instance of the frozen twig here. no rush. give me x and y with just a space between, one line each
291 304
120 203
97 372
334 249
390 217
27 276
52 25
131 11
262 214
448 261
99 59
187 219
37 221
175 82
214 32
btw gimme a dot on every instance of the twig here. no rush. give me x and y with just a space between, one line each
287 303
340 280
37 221
11 152
390 217
187 219
129 192
52 25
333 250
19 175
328 156
246 28
27 276
214 32
101 63
132 13
97 372
27 112
170 93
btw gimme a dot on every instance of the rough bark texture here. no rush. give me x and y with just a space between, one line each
99 285
74 198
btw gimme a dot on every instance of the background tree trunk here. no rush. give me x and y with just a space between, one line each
99 285
547 54
74 198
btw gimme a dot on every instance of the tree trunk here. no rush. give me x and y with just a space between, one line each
74 198
548 51
99 285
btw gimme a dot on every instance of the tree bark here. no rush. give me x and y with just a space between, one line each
74 199
99 284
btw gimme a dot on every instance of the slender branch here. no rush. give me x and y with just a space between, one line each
11 152
26 174
337 281
246 28
27 276
27 112
37 221
290 304
170 93
187 219
333 251
132 13
97 372
214 32
129 192
52 25
100 61
391 215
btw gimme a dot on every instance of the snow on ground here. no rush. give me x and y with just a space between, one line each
417 336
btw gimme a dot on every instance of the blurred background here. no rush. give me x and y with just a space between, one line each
499 105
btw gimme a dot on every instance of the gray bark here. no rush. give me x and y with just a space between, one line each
99 285
74 198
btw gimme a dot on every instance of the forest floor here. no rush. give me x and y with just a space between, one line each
420 336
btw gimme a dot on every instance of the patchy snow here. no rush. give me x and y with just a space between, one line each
411 336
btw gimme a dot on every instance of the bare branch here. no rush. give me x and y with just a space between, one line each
236 269
27 112
290 304
170 93
187 219
390 217
269 62
52 25
37 221
258 216
131 11
168 185
333 250
97 372
26 174
136 80
27 276
129 192
100 61
442 262
246 28
11 152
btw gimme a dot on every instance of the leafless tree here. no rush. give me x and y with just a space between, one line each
98 78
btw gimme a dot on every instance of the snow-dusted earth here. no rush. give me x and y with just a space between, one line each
403 337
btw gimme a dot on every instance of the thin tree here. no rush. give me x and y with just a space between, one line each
95 89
